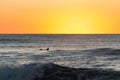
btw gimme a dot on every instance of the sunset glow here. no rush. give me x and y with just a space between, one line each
60 16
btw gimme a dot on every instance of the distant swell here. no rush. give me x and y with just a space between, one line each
15 40
105 51
50 71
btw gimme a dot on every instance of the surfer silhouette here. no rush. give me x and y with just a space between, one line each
44 49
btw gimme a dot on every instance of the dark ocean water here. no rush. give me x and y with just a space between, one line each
20 55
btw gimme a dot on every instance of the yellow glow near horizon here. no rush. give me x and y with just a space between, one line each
60 16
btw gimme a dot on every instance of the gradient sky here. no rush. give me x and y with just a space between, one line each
60 16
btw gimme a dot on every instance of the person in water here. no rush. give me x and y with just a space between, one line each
45 49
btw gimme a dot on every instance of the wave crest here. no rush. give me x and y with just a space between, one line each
50 71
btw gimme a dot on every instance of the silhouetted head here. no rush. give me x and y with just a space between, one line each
47 49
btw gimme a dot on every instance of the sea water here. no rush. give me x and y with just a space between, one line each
74 51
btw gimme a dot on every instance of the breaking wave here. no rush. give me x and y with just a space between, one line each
50 71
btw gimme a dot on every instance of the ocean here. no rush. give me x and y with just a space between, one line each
70 56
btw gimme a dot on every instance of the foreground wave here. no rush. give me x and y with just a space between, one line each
50 71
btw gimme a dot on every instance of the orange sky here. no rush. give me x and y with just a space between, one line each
60 16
